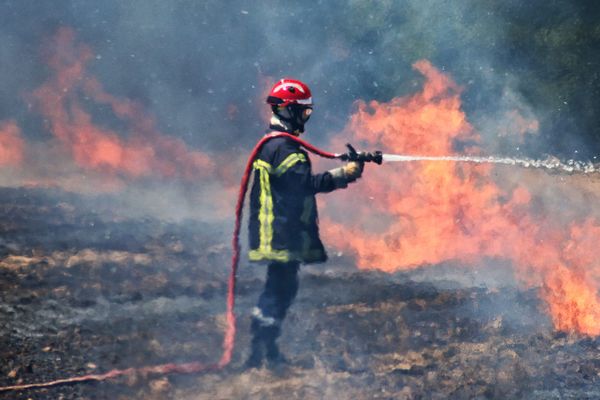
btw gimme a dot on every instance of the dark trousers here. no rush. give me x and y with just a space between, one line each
278 294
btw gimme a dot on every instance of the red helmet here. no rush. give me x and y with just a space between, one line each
290 91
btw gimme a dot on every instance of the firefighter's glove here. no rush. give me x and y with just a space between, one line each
347 174
354 170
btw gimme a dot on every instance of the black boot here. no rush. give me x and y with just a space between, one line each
274 357
255 359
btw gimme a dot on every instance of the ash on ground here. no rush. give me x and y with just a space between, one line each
85 290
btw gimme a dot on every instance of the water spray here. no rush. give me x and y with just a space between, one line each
551 163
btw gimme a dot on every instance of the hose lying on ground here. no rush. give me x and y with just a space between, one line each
229 337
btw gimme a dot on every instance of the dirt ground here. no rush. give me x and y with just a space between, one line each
84 290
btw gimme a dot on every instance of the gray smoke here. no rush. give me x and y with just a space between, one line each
202 68
187 61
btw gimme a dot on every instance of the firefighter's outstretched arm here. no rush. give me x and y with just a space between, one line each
300 179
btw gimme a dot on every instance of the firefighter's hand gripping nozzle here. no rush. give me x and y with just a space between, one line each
361 156
353 169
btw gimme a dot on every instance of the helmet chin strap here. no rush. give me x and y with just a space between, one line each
280 124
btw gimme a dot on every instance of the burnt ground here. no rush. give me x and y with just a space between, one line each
84 290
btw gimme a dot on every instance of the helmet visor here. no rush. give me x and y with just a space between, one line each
306 113
295 112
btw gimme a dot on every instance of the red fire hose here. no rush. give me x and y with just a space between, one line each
229 338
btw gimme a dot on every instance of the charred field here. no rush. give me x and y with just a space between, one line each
85 290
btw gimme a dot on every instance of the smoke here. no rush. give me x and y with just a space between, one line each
198 69
159 102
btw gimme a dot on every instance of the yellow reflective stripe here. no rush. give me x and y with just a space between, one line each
272 255
267 234
289 162
266 217
266 207
263 169
258 164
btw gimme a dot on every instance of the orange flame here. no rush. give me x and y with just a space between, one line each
414 214
11 144
145 152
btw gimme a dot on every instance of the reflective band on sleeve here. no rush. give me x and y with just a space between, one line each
289 162
260 164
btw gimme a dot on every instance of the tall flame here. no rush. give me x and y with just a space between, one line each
143 152
414 214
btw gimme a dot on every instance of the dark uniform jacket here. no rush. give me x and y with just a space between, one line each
283 222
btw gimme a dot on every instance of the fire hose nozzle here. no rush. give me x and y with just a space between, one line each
362 156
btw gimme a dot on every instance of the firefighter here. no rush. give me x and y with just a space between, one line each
283 230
